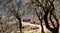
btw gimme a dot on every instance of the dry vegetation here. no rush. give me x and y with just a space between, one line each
9 26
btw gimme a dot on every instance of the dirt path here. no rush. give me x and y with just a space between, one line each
35 25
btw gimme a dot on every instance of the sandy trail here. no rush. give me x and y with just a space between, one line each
35 25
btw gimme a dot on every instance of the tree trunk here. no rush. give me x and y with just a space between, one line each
55 31
20 24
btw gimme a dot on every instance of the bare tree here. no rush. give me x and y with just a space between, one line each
16 13
47 7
